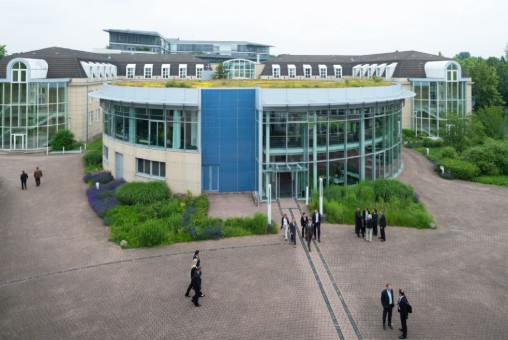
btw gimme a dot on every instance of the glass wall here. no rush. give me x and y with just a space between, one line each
240 69
342 145
31 112
152 126
435 100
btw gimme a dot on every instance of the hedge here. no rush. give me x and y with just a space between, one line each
460 169
141 192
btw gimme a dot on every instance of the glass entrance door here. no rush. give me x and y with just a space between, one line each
18 141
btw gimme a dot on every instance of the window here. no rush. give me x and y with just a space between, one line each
452 72
90 118
165 71
18 72
105 153
337 71
131 71
276 71
150 168
322 71
240 69
98 115
199 71
307 71
148 71
182 71
292 71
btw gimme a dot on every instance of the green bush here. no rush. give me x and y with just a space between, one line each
140 192
180 84
151 233
449 152
493 180
241 226
388 189
92 159
490 157
62 139
460 169
432 143
407 133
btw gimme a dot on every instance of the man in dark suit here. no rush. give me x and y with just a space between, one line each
404 313
23 178
388 303
308 234
316 221
374 222
196 262
358 221
196 285
382 225
304 220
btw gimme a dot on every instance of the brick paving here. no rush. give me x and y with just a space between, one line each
61 279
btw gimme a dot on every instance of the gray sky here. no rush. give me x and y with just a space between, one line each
292 26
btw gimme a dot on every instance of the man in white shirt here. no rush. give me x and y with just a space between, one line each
387 302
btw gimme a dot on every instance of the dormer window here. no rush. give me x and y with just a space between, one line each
276 71
148 71
131 71
307 71
18 72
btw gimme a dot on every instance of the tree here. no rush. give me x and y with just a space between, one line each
462 55
220 72
492 118
3 51
453 132
501 66
485 79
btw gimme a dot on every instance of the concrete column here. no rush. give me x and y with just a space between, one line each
362 146
267 146
314 152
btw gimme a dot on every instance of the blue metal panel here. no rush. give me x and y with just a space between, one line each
228 125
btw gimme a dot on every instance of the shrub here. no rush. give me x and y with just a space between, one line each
62 139
92 159
460 169
140 192
388 189
490 157
174 83
493 180
448 152
103 200
432 143
408 133
151 233
101 177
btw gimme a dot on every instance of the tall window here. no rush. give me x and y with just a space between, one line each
98 115
276 71
337 71
131 69
90 118
105 153
150 168
19 72
452 73
148 71
182 71
199 71
165 71
307 71
292 71
240 69
322 71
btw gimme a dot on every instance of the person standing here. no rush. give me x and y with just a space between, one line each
374 222
308 234
404 313
292 231
382 225
37 176
358 221
316 220
304 220
365 215
23 178
196 285
285 224
388 304
369 228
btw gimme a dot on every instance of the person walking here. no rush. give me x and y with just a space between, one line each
404 313
285 224
196 285
37 176
308 234
316 221
292 230
196 262
369 228
23 178
388 304
358 221
304 220
382 225
374 222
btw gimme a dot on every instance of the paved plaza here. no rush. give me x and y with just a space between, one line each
60 277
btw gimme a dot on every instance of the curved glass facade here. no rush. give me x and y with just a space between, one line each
31 112
154 126
240 69
342 144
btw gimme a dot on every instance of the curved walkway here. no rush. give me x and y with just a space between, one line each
60 278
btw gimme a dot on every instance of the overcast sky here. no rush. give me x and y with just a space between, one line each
292 26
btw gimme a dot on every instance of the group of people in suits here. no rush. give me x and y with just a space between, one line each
367 223
403 307
196 271
310 228
24 177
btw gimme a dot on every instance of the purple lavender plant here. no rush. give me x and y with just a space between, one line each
103 199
